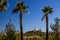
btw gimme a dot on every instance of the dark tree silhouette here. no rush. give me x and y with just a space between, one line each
3 4
47 10
22 8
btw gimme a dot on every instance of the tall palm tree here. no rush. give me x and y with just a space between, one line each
22 8
47 10
3 4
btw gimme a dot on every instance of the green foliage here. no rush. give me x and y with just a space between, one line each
3 4
20 7
55 27
10 31
47 10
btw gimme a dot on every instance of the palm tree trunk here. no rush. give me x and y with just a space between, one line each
57 35
46 27
21 28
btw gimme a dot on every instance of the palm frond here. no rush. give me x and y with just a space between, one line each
24 7
22 3
20 6
44 9
25 11
3 9
4 3
50 9
43 17
47 9
15 10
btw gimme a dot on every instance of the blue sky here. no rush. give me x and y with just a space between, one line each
32 19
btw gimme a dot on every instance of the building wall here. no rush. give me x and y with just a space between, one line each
32 38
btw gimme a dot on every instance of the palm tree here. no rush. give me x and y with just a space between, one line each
3 4
47 10
22 8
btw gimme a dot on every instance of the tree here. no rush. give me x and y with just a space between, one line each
3 4
10 31
22 8
47 10
55 27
